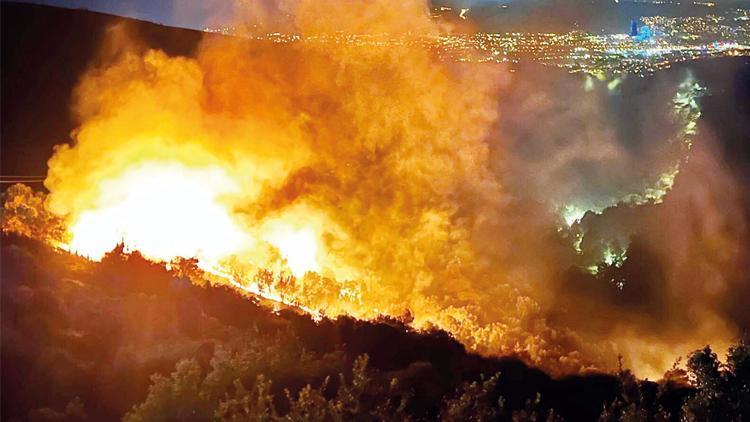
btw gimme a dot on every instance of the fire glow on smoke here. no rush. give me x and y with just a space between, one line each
363 172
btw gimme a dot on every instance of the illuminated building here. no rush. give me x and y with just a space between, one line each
634 27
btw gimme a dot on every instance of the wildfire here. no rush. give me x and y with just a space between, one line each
363 172
298 247
168 211
163 210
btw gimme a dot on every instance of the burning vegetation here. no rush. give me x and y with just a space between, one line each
125 338
381 184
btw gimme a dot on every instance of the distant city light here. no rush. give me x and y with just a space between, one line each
659 43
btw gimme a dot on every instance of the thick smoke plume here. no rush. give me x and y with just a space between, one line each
385 181
646 201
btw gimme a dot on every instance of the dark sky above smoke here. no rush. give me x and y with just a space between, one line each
181 13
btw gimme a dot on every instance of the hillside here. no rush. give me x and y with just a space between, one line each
97 331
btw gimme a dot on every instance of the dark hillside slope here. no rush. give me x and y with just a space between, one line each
97 331
44 52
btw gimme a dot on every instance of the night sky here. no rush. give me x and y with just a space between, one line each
184 13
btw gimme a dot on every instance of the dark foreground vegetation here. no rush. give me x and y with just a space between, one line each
125 338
